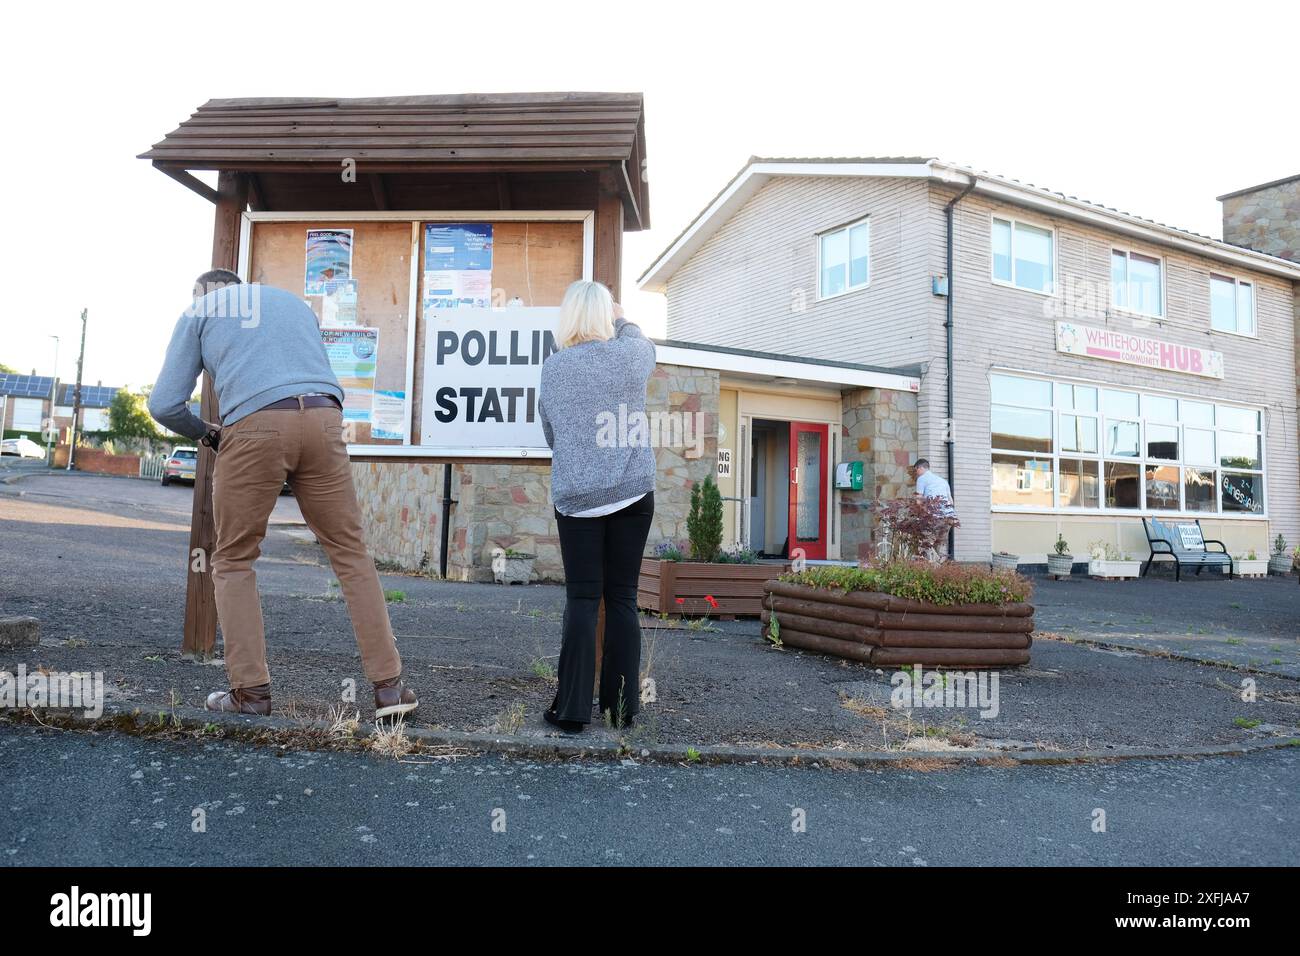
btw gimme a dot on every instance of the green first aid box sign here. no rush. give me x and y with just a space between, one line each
848 475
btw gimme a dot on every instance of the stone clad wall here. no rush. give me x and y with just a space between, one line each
508 505
1267 220
880 430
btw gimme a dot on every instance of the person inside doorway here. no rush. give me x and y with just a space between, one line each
930 485
281 419
602 487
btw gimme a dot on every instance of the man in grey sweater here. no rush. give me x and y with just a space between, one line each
282 420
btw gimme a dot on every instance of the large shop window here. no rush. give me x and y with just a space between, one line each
1064 446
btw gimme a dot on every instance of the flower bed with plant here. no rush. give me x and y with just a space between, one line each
908 607
700 577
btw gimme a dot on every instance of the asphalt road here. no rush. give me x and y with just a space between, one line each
75 798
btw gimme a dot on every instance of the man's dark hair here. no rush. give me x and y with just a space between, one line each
214 279
921 463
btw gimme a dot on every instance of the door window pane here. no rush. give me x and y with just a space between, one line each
1121 485
1122 439
1079 485
1162 442
808 507
1079 433
1009 390
1022 480
1242 493
1200 446
1162 488
1238 450
1001 250
1198 489
1022 429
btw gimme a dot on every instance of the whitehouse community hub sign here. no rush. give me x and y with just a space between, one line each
482 376
1132 349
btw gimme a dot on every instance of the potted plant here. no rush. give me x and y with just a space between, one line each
904 612
512 567
1109 563
1005 561
1249 565
701 577
1061 563
1280 562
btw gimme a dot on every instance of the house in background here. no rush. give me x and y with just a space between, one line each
25 405
1078 367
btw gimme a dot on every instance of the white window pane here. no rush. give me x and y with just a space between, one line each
1199 490
1022 480
1238 419
1119 404
1238 450
1079 433
1200 446
1009 390
1159 408
1144 285
1001 250
1223 304
1022 429
1033 248
835 248
1119 279
1122 439
1242 493
1162 442
1245 308
858 255
1198 413
1077 484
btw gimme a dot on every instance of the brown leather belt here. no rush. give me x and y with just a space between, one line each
302 401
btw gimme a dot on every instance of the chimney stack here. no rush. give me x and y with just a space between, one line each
1265 218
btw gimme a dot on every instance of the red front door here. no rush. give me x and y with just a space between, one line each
808 489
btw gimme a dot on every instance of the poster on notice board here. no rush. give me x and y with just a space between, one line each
457 265
353 355
329 258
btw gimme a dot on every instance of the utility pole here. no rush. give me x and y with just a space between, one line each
76 395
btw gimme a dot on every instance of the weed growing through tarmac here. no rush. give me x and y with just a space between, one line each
1246 723
394 596
343 727
510 720
543 668
389 739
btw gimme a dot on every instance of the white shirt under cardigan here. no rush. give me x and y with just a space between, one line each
605 509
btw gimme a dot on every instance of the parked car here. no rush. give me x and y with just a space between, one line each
181 465
22 447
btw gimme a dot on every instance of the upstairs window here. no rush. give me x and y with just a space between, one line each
1232 305
842 260
1136 283
1022 255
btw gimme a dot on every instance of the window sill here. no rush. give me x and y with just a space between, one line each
840 295
1020 288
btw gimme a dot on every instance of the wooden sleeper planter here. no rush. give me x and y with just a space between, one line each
882 629
737 588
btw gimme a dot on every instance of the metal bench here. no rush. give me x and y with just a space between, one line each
1185 544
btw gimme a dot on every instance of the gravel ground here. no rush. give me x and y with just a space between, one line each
98 561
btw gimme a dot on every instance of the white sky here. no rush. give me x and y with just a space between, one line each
1154 108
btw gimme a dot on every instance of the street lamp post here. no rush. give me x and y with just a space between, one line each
54 404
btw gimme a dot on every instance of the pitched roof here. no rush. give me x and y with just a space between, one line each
500 131
759 170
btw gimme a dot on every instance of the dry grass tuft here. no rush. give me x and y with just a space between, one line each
390 740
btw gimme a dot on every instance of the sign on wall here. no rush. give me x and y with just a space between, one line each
482 375
1130 348
724 462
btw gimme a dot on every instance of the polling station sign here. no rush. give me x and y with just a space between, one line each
482 375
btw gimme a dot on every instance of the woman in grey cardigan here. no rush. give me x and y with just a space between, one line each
592 409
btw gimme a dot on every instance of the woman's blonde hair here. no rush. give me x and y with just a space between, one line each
586 314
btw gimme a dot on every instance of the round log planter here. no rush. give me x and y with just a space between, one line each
890 631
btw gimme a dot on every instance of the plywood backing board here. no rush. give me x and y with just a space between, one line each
381 265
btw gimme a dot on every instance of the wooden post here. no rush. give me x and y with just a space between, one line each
200 637
607 268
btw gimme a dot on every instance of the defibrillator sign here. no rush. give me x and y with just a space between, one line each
482 372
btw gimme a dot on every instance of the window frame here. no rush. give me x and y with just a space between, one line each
1143 461
1236 301
1014 221
846 228
1128 252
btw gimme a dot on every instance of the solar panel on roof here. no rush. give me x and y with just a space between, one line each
26 386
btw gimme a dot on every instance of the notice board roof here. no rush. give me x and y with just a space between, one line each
439 134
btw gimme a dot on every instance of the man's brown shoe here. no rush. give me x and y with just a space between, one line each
242 700
392 699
